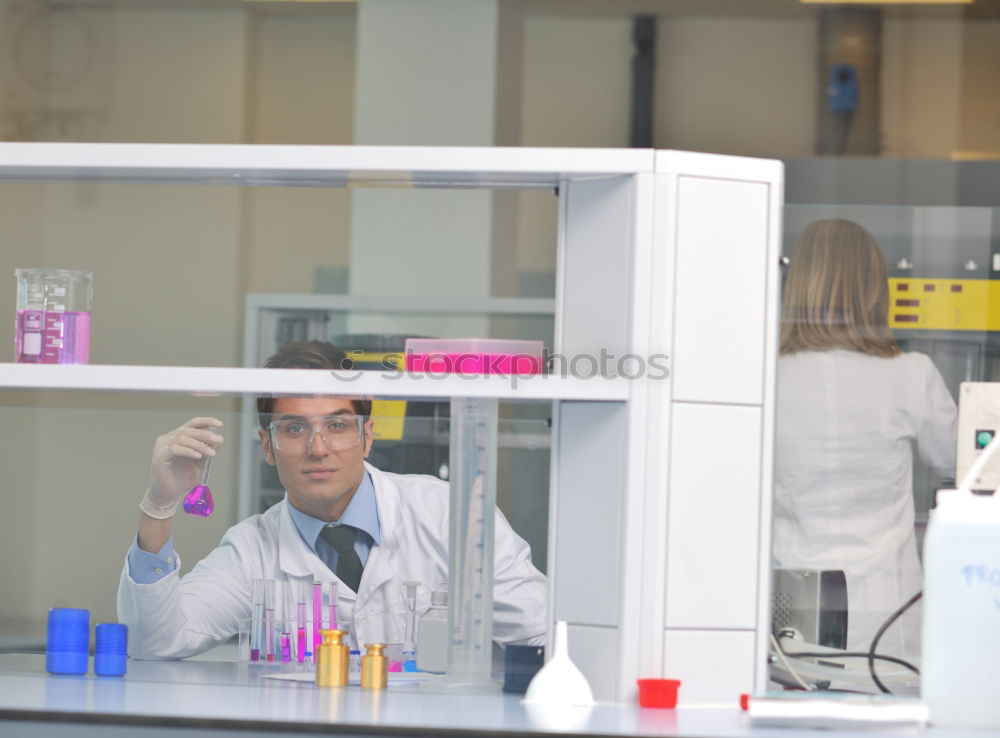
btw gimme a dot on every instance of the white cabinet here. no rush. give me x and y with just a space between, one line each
661 471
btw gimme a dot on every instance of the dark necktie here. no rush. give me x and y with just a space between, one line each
349 566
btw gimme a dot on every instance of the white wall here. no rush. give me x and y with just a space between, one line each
587 60
301 91
742 86
980 91
921 87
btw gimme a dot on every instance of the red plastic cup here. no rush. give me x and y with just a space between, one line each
658 692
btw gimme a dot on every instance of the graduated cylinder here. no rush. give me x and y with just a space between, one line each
473 502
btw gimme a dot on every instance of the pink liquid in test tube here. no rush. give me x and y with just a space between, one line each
317 614
286 648
301 631
269 634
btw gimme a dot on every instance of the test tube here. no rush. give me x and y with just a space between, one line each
409 649
333 606
269 602
257 619
300 624
317 616
286 642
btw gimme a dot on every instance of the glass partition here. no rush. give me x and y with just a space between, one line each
78 464
886 310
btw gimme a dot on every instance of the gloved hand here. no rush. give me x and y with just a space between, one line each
178 459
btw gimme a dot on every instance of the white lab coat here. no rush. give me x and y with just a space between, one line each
846 426
175 617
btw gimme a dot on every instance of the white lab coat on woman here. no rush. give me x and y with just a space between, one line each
846 426
174 617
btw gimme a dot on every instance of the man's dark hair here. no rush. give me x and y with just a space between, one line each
308 355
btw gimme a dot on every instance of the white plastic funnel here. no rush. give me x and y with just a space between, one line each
559 683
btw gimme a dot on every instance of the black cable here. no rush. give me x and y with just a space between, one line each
851 655
878 636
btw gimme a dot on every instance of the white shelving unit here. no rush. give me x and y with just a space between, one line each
660 486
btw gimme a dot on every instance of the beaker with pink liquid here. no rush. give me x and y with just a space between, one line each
52 325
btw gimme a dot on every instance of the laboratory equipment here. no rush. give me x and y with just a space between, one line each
474 356
52 323
374 667
67 641
354 661
300 621
560 683
959 671
432 636
317 624
332 660
110 649
333 605
521 663
409 645
257 619
811 602
473 479
658 692
199 500
269 607
285 638
472 515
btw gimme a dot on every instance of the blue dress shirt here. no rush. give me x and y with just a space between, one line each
361 512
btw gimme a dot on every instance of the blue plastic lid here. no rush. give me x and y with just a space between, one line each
111 638
68 641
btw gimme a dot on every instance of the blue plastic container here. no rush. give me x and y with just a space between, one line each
68 641
110 649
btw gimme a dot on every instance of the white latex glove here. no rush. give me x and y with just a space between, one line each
178 459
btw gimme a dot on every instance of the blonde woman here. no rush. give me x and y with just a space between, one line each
851 410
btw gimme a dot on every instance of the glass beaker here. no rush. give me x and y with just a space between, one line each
52 325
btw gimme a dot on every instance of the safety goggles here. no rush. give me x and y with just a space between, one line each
338 432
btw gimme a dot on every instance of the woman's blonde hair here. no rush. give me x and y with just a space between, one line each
837 293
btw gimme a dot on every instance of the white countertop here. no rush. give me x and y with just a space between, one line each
224 694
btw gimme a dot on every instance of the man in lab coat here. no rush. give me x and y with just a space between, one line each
396 527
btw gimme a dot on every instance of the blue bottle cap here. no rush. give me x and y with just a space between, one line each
110 649
68 641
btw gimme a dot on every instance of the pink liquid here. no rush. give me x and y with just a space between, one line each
51 338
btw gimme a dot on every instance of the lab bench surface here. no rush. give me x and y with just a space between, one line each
219 699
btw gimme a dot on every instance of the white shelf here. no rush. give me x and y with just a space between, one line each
379 304
233 381
404 166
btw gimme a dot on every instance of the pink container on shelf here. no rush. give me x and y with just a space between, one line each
52 322
474 356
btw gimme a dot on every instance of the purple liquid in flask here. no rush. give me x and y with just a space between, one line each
199 500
